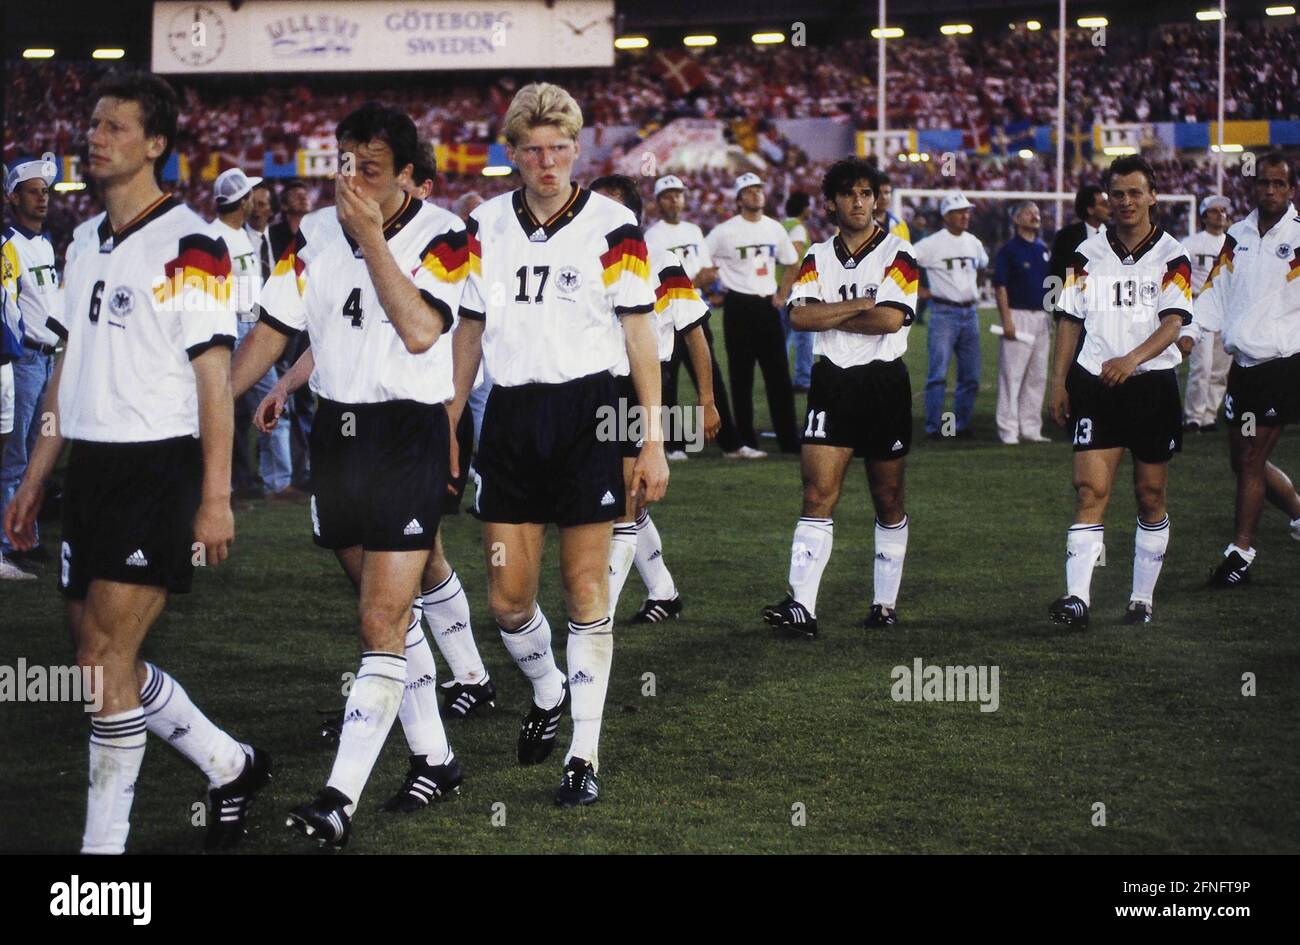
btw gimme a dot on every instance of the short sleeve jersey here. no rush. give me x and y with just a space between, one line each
321 284
1121 296
140 305
678 305
882 269
686 240
551 293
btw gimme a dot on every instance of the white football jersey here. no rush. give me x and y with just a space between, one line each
882 269
678 305
684 239
551 294
139 308
325 288
29 289
1121 296
1202 249
746 253
85 235
245 271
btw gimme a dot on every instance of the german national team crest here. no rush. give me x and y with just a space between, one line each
568 279
121 301
1283 251
1148 292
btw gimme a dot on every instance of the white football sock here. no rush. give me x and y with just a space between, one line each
530 647
891 549
1149 545
175 719
622 551
446 608
367 717
1247 553
650 560
421 721
1083 548
809 552
116 753
590 653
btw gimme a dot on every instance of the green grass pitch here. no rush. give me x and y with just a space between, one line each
745 726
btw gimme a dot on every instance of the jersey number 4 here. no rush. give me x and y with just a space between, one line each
352 308
541 272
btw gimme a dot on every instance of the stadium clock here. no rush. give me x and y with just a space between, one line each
197 35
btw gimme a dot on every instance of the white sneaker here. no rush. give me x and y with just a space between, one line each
11 572
1295 528
1035 439
746 452
677 456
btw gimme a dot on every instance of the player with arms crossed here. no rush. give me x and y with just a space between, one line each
1130 289
679 310
857 291
143 394
1253 298
553 270
379 293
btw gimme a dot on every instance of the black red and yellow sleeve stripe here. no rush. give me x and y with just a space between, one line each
808 271
1178 274
291 258
627 253
904 271
447 256
201 262
674 285
1222 263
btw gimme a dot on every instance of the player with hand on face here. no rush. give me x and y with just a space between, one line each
376 297
857 292
679 310
142 391
554 269
1130 289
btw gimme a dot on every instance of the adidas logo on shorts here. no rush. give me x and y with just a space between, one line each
608 498
898 445
1270 412
413 527
137 559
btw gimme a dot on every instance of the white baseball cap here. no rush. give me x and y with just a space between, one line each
746 180
233 186
30 170
668 182
1209 203
953 202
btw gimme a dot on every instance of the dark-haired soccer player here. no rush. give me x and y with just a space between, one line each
1130 289
857 291
679 310
143 394
554 268
1253 298
379 293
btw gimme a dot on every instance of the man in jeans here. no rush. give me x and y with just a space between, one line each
30 296
797 209
951 260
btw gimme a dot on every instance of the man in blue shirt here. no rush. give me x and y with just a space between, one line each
1020 274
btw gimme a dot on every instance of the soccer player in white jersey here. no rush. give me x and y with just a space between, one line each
679 310
1131 291
142 391
376 300
554 268
857 292
1253 299
442 602
1208 364
29 295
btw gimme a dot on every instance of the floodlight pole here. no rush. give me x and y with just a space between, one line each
1060 116
879 149
1223 29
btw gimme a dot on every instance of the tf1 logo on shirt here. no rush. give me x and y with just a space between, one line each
760 253
960 262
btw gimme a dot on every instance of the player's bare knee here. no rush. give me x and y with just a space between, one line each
818 500
510 613
382 628
1089 496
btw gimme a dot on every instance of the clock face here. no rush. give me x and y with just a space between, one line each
196 35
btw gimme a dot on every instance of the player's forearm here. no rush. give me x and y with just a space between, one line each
787 281
1159 340
819 316
643 358
706 277
216 421
881 320
1067 339
416 322
254 357
299 374
697 346
49 442
466 355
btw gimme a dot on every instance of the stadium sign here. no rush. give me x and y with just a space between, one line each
339 36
